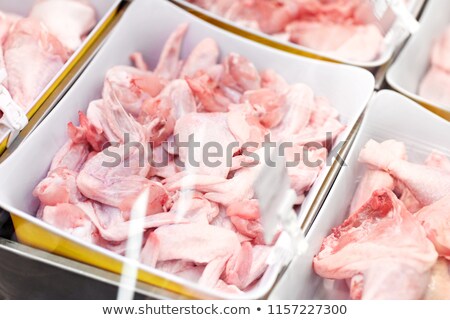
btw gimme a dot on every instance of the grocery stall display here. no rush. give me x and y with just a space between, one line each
40 41
228 102
206 82
357 32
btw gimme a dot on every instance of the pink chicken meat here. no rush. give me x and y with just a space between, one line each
202 221
384 247
398 225
333 27
436 83
33 49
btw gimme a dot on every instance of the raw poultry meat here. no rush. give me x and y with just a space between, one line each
337 27
436 83
435 219
398 224
427 184
27 76
383 243
202 221
34 48
69 20
439 286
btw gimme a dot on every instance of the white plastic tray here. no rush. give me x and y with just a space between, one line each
389 116
412 64
145 27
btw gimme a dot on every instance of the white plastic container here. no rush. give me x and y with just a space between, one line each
389 116
104 9
411 66
145 27
414 6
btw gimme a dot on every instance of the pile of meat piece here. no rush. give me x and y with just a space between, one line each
396 242
202 221
338 27
34 48
436 83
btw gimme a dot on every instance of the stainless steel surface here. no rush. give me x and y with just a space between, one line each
27 273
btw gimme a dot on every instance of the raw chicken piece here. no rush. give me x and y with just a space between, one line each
67 20
440 54
435 86
259 263
71 156
206 129
220 190
268 102
438 160
198 243
271 80
269 16
383 243
205 87
116 177
184 269
195 208
239 75
436 220
376 179
120 231
7 21
169 65
248 210
244 123
338 27
138 60
27 76
59 187
160 114
71 219
411 203
238 266
303 167
111 120
299 102
372 180
352 42
322 113
132 87
149 254
202 57
439 286
427 184
224 287
436 82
